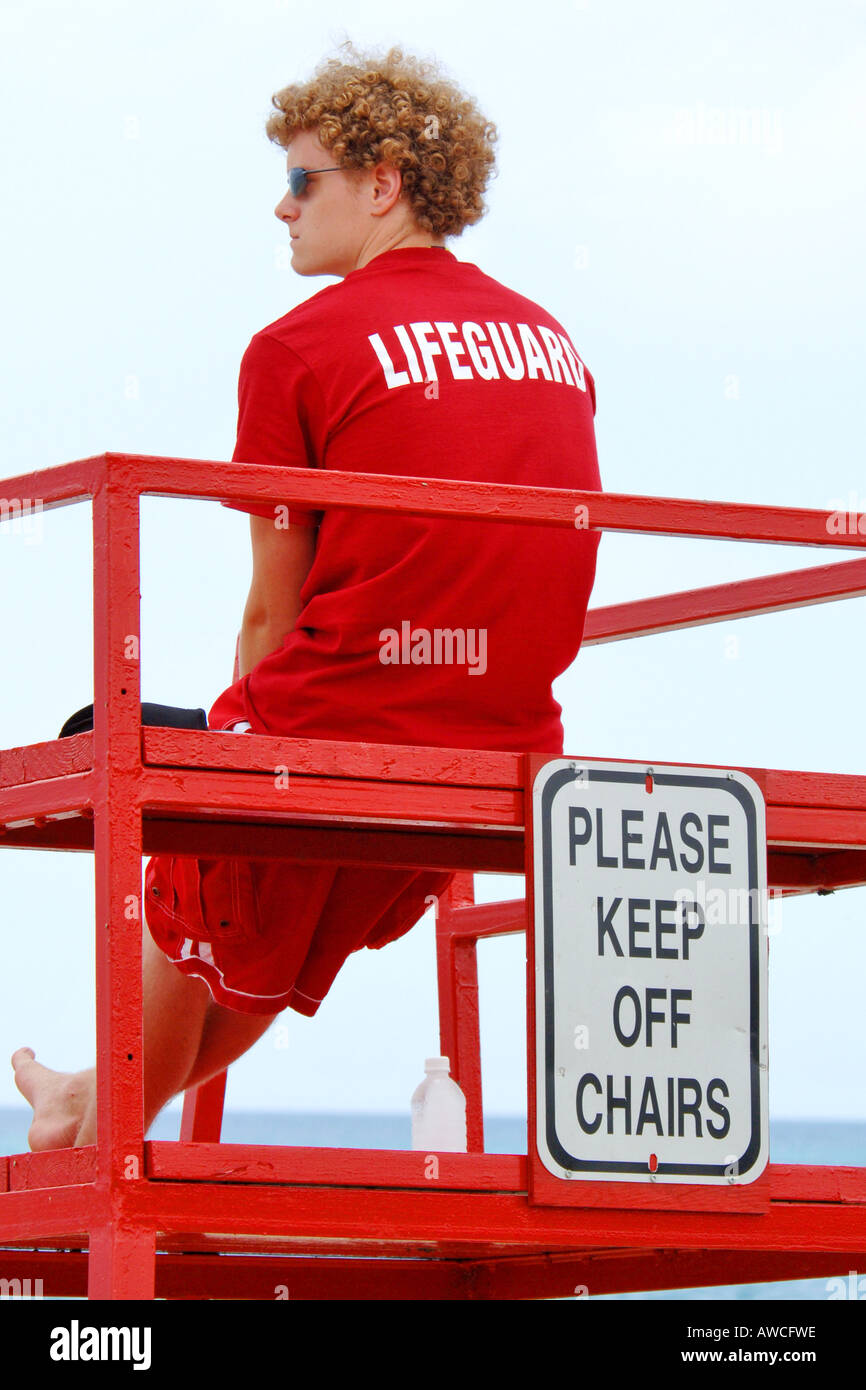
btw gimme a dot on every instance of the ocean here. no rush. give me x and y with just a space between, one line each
791 1141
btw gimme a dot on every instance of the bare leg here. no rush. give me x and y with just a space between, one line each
180 1023
226 1036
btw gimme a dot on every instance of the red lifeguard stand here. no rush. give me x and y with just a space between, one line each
129 1218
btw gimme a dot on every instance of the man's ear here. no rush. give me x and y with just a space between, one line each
387 185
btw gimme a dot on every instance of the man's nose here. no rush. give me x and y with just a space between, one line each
286 209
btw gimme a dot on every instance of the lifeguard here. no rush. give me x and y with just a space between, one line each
385 159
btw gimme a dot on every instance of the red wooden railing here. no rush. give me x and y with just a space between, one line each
129 1217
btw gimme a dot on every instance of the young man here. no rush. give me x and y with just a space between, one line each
363 625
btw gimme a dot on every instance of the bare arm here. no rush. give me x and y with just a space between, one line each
281 562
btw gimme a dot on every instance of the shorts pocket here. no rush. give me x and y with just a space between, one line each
205 899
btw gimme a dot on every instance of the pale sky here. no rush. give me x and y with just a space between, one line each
683 186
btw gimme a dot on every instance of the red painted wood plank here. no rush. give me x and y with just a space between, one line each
453 767
456 849
819 826
70 833
486 919
198 1276
368 1168
466 1250
496 852
241 1163
799 1182
449 1220
498 502
809 828
59 795
36 762
205 792
330 758
51 1168
303 1278
63 1274
397 803
638 1271
826 789
816 871
67 1212
246 1163
791 870
398 763
549 1191
59 486
745 598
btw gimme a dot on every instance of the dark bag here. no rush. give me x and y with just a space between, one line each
163 716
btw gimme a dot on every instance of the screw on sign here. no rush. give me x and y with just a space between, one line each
650 925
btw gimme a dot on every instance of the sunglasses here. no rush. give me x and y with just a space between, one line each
298 178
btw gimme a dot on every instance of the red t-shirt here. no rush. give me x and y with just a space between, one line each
415 629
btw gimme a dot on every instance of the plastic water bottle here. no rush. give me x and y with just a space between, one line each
438 1111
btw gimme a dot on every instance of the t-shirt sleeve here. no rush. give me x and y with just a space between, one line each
281 418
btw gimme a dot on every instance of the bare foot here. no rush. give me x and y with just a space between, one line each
60 1100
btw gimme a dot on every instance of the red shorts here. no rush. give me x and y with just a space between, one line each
267 935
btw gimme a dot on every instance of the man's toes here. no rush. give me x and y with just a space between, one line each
27 1071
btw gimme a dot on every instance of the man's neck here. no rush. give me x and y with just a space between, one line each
395 243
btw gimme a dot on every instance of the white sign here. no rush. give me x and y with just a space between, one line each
651 973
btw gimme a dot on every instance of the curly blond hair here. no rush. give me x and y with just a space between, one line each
399 110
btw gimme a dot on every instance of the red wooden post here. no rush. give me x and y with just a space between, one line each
459 1031
120 1265
202 1116
122 1259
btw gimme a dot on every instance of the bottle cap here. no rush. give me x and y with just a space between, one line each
437 1064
